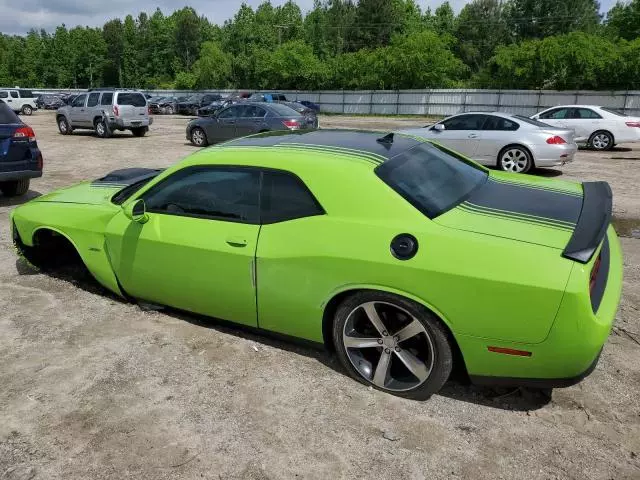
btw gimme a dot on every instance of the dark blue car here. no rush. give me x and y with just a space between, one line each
20 157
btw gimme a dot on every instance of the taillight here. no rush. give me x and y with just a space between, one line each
633 124
594 275
116 110
25 132
291 124
556 140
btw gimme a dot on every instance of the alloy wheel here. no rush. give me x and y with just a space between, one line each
197 137
514 160
62 125
100 129
601 141
388 346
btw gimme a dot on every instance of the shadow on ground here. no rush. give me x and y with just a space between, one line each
457 388
15 201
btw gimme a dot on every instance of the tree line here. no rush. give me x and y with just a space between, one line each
342 44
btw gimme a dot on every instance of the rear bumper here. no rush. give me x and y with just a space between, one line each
123 124
554 155
19 175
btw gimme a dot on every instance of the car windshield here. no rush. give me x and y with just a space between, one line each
194 98
614 112
431 179
283 110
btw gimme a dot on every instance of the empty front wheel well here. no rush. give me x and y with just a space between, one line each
52 249
335 302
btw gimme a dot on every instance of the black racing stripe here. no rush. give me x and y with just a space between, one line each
514 217
540 187
366 142
519 215
520 199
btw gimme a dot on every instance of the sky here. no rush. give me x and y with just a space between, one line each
17 17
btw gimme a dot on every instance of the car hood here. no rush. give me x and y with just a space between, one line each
100 191
532 210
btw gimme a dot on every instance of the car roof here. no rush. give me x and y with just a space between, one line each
574 106
376 147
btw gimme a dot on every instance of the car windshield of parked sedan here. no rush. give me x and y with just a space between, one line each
533 122
431 179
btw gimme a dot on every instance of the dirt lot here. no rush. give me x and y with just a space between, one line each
94 388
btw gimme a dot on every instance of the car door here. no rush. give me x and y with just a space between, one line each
224 126
556 117
290 215
13 100
251 120
584 121
92 110
497 133
77 113
461 133
197 249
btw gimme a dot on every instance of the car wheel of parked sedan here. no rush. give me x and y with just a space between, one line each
63 126
27 110
198 137
392 344
514 159
169 110
101 128
601 141
15 188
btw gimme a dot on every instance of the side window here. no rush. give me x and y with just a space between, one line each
107 99
587 113
556 114
4 94
93 99
230 112
208 192
286 197
79 101
465 122
253 111
500 123
14 94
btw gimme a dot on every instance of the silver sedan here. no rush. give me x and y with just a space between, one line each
510 142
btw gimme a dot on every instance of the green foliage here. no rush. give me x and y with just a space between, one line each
342 44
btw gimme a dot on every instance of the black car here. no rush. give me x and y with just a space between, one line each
48 101
197 101
20 157
164 105
308 113
313 106
218 105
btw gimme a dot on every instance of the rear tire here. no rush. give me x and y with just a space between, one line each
412 359
514 159
64 127
169 110
27 110
102 131
199 137
601 141
15 188
139 132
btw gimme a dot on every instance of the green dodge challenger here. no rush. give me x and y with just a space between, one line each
398 253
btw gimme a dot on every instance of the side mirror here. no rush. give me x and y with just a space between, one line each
136 211
439 127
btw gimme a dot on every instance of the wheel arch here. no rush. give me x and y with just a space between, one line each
338 296
519 145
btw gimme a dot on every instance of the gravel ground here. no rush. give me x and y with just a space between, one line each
95 388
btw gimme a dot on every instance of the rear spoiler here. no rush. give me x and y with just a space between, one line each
593 222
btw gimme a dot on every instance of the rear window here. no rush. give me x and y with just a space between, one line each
283 110
431 179
614 112
530 121
7 116
107 99
132 99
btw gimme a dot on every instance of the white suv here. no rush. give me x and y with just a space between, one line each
19 100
